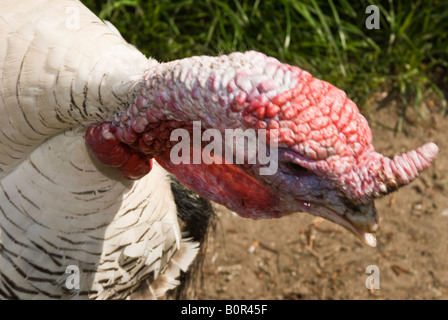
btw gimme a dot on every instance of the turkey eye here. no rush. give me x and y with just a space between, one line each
294 168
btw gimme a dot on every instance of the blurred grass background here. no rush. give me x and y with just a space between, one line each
406 59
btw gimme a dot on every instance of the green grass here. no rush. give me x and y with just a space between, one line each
327 38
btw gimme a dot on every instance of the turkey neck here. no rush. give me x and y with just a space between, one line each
55 76
227 92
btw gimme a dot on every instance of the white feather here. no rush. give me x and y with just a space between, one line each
59 206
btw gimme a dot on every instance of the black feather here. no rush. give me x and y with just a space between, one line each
196 216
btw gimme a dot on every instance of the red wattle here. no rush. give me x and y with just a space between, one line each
226 184
103 142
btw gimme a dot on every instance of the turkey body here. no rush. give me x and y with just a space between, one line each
59 207
116 232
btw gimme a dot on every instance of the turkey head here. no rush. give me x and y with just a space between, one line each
319 147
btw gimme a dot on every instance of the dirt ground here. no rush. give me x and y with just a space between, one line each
302 257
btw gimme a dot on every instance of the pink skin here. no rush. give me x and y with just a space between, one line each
327 164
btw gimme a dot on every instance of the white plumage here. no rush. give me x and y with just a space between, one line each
58 205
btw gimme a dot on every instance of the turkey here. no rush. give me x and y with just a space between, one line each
88 181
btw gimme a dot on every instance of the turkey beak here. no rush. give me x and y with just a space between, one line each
361 220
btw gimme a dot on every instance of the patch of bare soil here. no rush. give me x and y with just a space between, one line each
302 257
